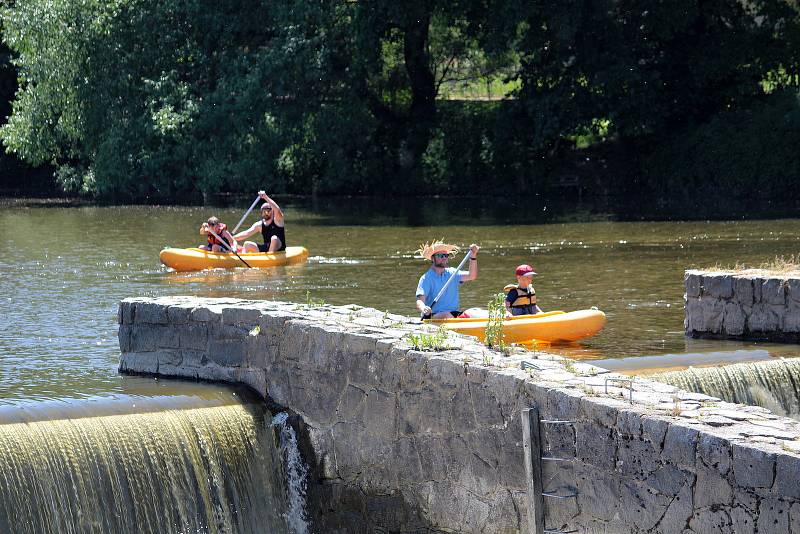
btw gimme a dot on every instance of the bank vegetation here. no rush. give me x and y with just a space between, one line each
160 100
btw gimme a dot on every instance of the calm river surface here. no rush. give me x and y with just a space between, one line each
64 270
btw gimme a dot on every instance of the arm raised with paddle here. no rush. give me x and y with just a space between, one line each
439 279
271 226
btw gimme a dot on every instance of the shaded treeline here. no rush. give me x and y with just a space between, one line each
167 100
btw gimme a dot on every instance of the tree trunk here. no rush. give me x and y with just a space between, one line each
415 53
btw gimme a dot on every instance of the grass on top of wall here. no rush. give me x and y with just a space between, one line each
778 266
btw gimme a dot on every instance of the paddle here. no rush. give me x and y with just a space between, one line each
226 245
441 291
253 205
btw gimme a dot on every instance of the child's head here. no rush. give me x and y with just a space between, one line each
525 274
212 221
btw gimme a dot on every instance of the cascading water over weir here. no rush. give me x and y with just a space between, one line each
774 384
205 469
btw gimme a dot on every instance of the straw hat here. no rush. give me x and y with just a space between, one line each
427 250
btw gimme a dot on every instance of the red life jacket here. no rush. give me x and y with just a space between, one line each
219 231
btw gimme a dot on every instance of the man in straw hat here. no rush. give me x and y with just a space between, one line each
435 278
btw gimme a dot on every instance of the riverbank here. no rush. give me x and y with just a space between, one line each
561 207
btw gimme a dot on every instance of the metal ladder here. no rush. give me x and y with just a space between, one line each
531 440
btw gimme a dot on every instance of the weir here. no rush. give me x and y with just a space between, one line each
208 469
775 385
398 439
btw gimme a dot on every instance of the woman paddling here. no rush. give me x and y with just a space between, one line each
271 226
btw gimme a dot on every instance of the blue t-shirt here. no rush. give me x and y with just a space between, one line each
431 283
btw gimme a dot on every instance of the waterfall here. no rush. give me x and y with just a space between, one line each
771 384
201 470
295 475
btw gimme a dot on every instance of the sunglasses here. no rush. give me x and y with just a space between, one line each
441 255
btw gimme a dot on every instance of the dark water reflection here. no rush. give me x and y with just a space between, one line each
63 271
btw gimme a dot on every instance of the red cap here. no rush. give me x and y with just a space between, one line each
525 270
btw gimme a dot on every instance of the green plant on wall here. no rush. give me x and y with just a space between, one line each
429 342
494 327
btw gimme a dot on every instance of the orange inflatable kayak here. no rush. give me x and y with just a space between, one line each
197 259
550 327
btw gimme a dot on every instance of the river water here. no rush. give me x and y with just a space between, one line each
64 270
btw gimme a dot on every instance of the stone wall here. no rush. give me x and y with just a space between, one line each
748 305
401 440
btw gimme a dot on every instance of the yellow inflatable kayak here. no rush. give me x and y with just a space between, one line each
197 259
549 327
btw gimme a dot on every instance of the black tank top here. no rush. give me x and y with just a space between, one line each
272 229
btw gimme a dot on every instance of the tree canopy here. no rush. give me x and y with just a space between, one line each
163 100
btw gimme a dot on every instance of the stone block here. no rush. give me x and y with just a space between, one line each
773 291
193 336
124 337
179 314
358 344
691 283
693 316
764 318
715 451
741 521
125 312
169 358
595 445
711 489
150 313
787 476
139 362
636 458
712 520
421 413
713 314
773 516
654 429
718 286
793 291
678 512
146 337
641 507
758 283
168 338
752 467
668 480
599 493
459 407
241 316
227 353
743 290
680 445
380 418
629 423
734 319
791 318
193 358
205 315
794 517
446 372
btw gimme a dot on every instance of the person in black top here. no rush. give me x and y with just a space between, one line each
271 227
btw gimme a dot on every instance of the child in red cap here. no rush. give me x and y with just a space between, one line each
521 297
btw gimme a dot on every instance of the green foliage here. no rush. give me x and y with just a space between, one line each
429 342
749 151
494 327
163 100
312 302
